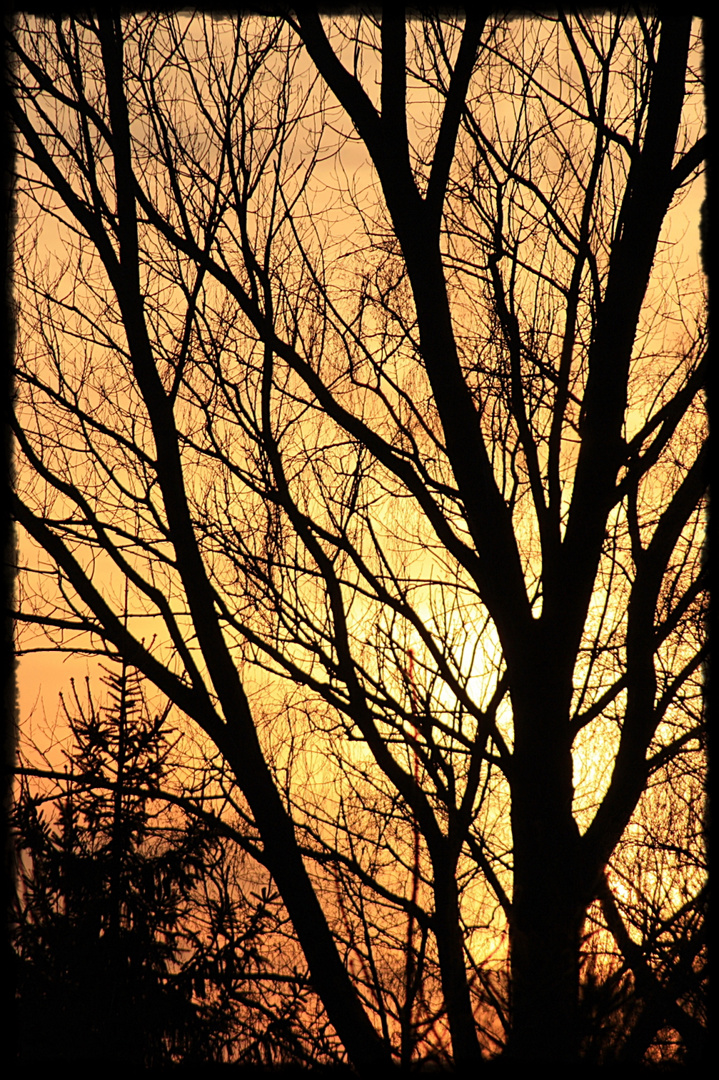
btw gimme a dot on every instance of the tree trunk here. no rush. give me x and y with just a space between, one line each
450 948
548 901
545 970
365 1048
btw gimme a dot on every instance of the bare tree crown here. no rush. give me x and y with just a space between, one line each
369 353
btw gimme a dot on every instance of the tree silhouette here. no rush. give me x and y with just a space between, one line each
99 904
367 352
135 940
141 936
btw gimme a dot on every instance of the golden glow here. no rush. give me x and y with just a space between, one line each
239 148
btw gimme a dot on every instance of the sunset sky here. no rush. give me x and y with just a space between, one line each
348 341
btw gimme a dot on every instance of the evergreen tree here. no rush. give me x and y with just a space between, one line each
103 886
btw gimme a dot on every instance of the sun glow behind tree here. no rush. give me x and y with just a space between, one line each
328 364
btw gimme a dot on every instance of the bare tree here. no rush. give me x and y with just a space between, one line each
363 351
